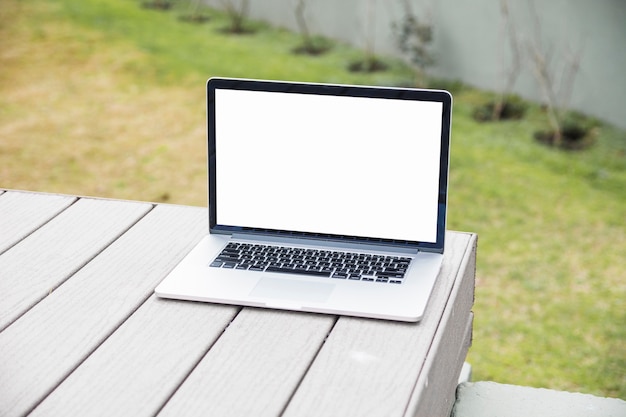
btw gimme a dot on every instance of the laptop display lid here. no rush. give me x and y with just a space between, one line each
330 162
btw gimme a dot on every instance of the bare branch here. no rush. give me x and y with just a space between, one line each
301 20
514 68
557 99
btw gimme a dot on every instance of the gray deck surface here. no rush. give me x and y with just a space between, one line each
81 332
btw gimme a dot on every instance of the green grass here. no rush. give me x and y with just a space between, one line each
177 50
105 98
550 293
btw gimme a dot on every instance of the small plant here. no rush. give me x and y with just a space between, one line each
577 132
311 45
509 107
158 4
414 38
237 12
505 106
369 62
556 84
194 13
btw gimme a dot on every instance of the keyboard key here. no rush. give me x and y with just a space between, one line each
256 268
296 271
385 274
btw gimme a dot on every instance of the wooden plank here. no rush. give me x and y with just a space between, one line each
37 265
370 367
254 367
434 402
435 390
47 343
142 363
21 213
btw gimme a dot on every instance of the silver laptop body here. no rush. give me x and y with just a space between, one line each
322 198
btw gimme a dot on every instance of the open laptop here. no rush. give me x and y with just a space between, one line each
322 198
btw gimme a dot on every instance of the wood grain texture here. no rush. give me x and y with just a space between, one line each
41 262
21 213
434 392
254 367
141 365
370 367
46 344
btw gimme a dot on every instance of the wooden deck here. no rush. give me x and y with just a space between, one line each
81 332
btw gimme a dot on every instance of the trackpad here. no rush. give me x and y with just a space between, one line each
294 290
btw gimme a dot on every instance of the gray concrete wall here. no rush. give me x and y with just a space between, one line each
470 43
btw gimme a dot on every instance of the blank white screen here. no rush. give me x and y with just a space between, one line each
327 164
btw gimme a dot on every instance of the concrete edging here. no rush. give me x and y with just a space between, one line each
490 399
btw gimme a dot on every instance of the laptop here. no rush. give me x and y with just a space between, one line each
322 198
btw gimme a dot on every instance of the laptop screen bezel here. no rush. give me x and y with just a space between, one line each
440 96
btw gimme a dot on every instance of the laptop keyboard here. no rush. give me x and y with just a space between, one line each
313 262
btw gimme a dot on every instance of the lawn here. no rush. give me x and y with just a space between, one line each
106 98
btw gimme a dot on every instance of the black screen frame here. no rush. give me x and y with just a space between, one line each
441 96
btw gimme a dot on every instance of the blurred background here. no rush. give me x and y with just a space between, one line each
106 98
